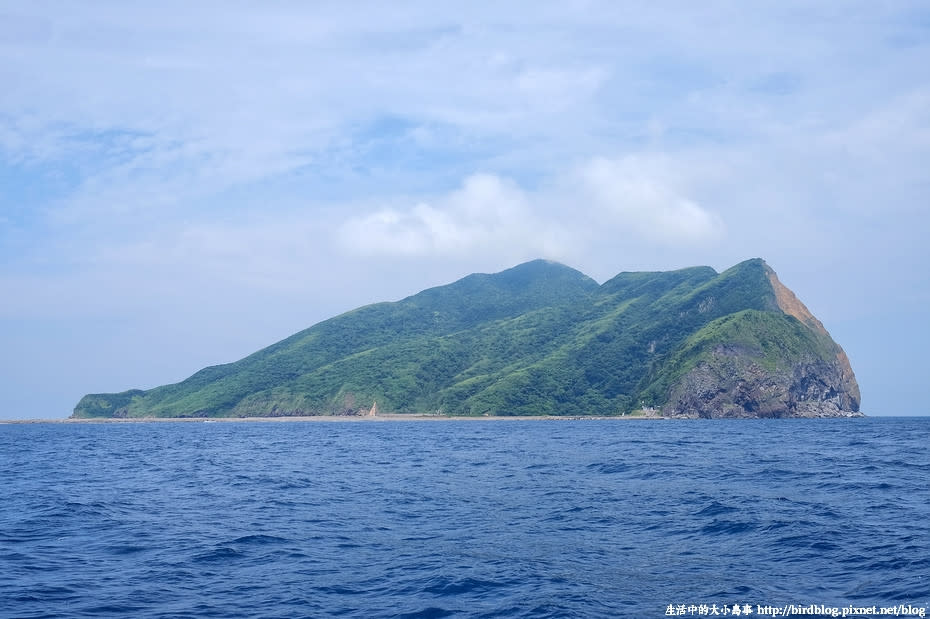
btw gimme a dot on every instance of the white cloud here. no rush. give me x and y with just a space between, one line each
603 199
485 213
638 194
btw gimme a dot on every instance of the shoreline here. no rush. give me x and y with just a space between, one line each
328 419
380 418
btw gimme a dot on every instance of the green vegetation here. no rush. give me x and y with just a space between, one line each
539 338
773 340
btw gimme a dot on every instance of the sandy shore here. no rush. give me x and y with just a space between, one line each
321 418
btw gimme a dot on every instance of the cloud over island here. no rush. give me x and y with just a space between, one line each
594 202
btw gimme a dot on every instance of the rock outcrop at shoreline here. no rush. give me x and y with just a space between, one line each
731 383
538 339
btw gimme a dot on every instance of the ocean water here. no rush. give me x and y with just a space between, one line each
581 518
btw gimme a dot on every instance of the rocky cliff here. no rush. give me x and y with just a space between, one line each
767 365
733 382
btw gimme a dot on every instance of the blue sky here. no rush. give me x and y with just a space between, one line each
183 183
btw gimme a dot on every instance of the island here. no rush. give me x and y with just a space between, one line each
539 339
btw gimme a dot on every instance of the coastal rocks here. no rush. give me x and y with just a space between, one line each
733 383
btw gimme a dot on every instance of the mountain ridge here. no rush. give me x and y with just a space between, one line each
540 338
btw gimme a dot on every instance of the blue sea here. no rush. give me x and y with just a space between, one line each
522 518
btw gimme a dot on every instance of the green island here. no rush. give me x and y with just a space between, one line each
539 339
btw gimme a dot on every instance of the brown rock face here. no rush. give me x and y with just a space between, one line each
738 381
789 303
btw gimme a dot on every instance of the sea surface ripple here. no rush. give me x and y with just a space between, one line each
583 518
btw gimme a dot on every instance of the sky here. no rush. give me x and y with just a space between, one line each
184 183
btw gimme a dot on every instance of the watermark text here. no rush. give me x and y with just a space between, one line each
792 610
